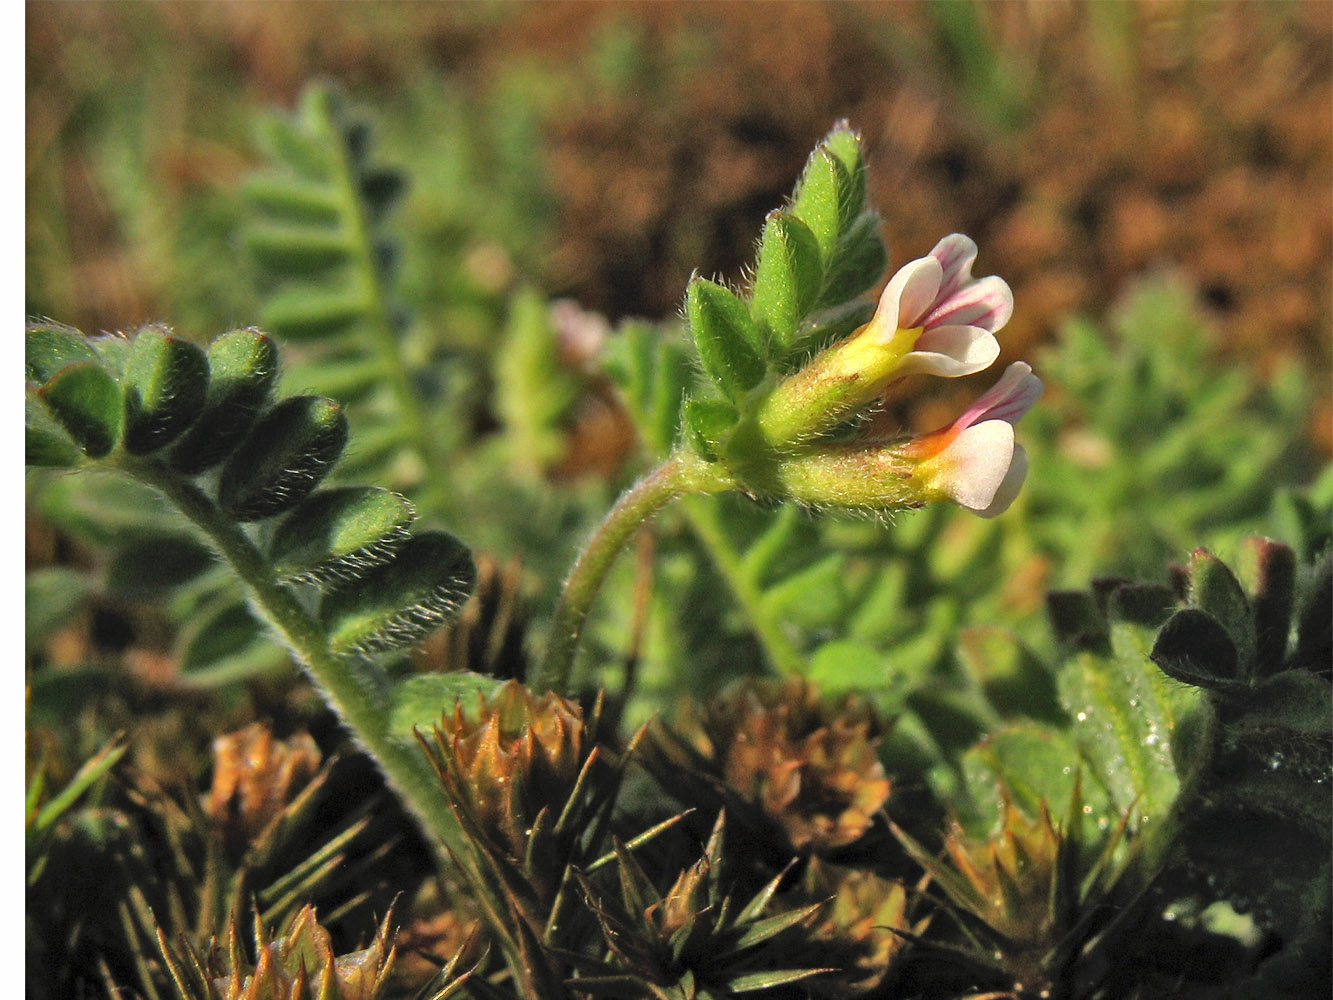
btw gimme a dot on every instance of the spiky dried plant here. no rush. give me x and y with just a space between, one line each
297 963
1036 903
867 924
533 794
695 939
798 769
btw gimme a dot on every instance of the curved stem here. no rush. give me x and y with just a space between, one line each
681 473
357 691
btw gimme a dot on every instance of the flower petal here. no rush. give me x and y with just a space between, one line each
987 303
975 465
1013 482
1008 399
908 296
956 254
951 351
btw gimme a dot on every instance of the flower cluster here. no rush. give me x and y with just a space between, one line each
933 318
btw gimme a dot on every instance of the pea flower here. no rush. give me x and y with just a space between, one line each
974 462
933 318
937 318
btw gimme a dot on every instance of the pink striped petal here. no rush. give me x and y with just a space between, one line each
987 303
1007 400
956 254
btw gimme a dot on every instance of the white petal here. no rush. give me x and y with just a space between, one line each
906 299
987 303
1009 488
951 351
956 253
975 465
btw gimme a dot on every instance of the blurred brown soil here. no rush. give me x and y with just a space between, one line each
1080 150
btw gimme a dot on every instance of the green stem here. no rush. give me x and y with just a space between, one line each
384 336
356 690
702 515
681 473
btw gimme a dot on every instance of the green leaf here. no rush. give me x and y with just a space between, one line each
150 567
164 385
51 597
311 311
1273 597
420 701
284 197
92 770
287 142
857 263
86 402
728 341
49 347
45 442
1194 647
534 391
113 350
653 369
340 533
845 665
1015 681
706 422
1125 716
1031 765
219 634
402 601
788 278
845 145
296 249
1216 591
243 367
819 196
1077 620
283 458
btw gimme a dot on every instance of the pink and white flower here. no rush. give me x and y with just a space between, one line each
975 461
941 319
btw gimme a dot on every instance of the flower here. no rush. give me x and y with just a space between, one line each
944 317
933 318
974 461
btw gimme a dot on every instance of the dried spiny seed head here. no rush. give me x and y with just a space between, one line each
1011 872
517 754
255 777
684 901
297 965
809 763
861 921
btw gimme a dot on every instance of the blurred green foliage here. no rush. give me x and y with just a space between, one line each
418 246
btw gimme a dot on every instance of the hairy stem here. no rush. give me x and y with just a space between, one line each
681 473
356 690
